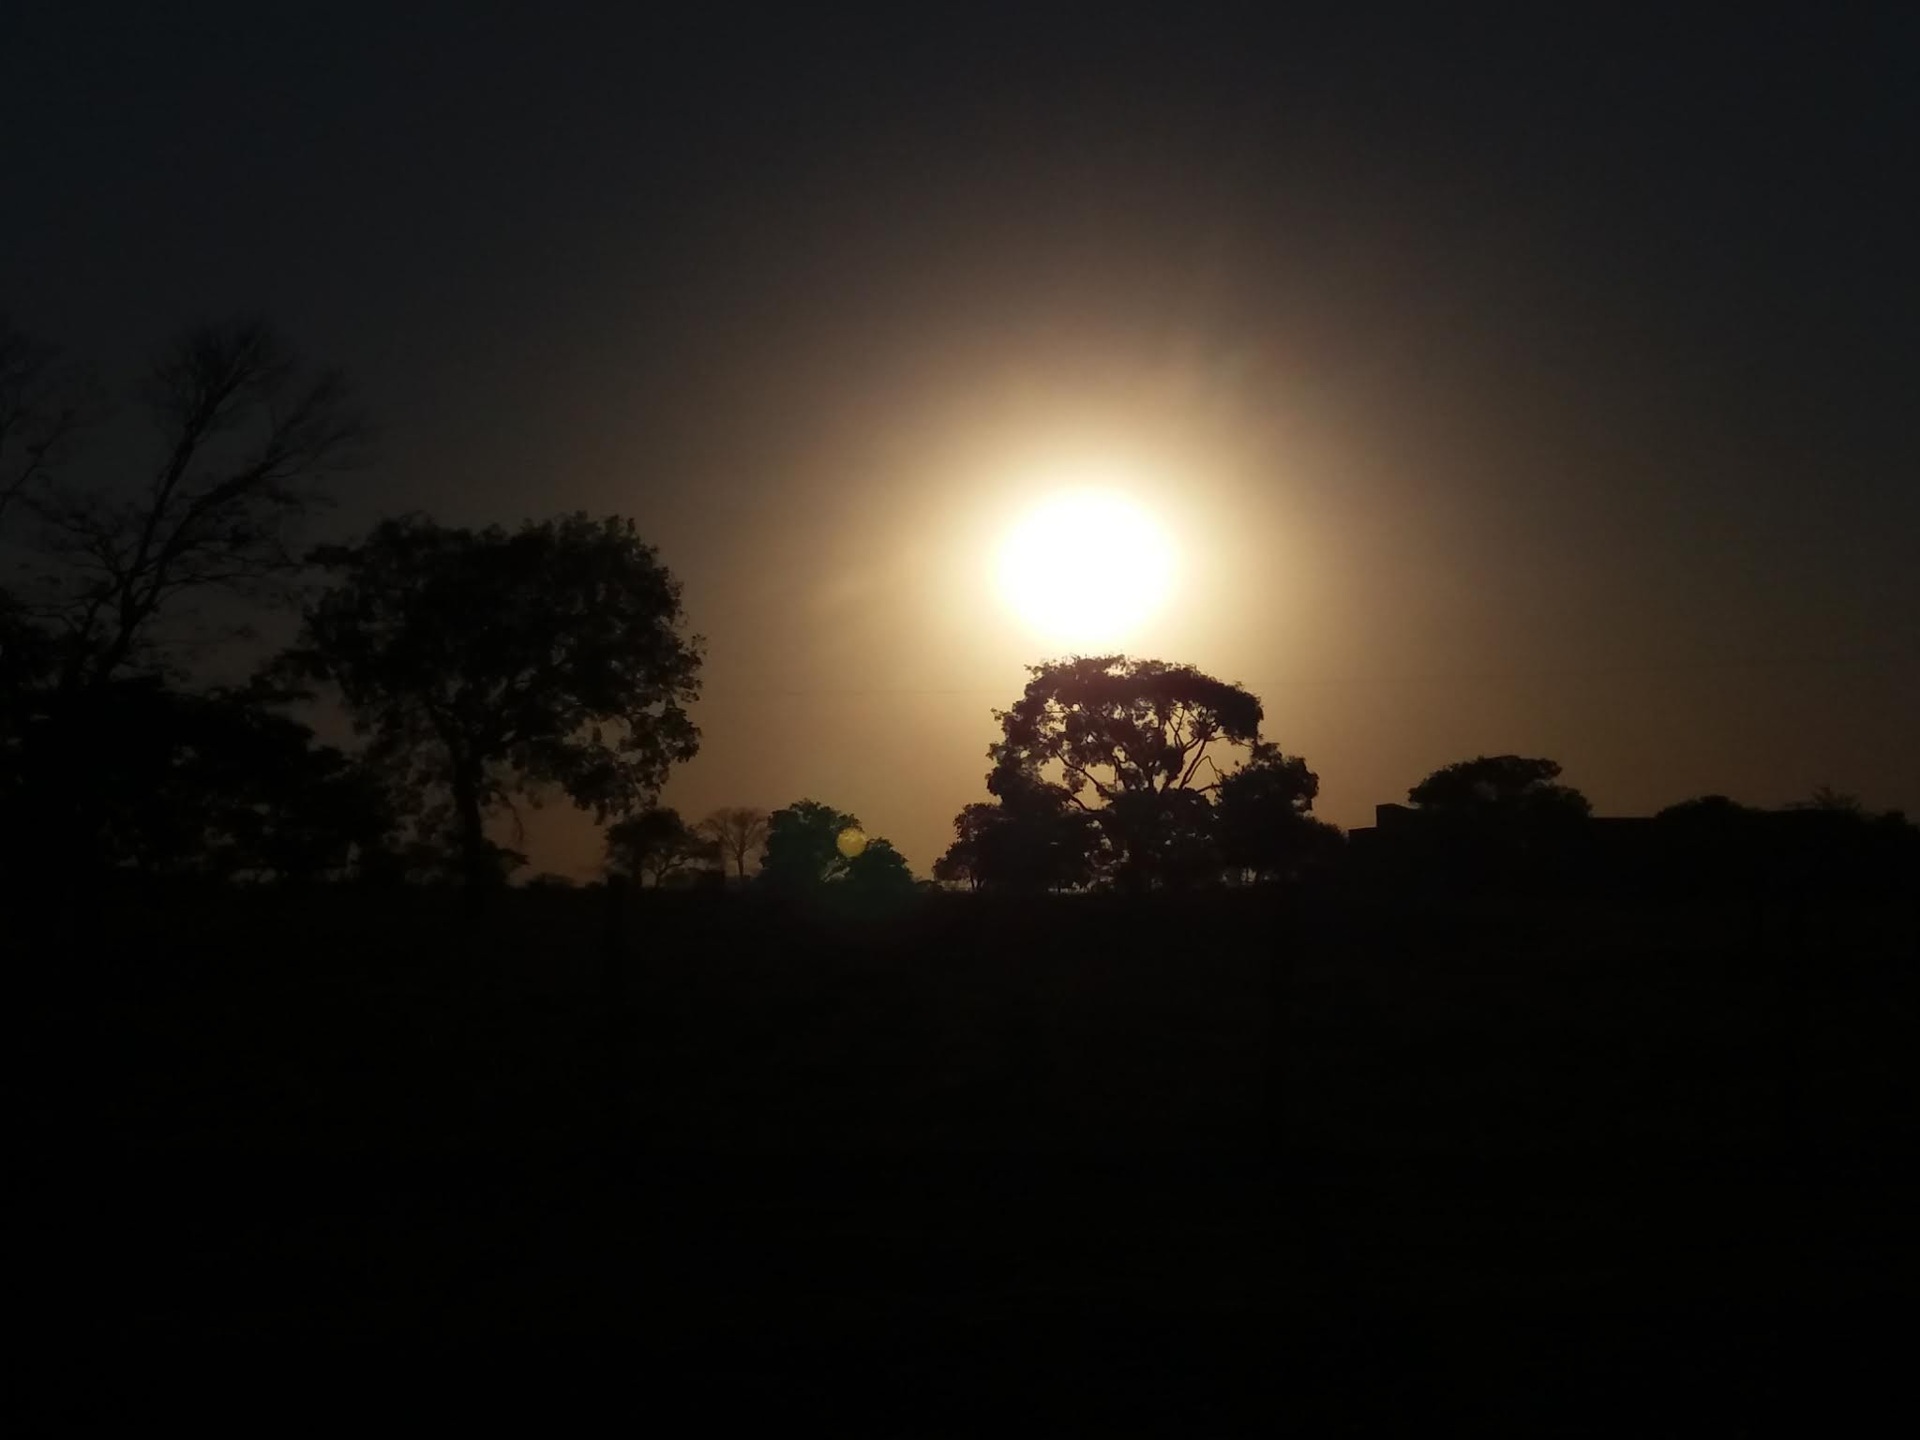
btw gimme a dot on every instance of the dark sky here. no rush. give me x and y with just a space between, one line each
1547 384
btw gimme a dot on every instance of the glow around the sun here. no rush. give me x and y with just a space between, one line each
1086 568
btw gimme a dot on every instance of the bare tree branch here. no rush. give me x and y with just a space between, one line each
246 437
738 831
44 405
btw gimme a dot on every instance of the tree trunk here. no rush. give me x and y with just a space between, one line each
476 866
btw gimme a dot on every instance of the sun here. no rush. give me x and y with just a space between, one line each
1085 568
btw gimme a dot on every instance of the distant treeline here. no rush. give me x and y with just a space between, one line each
1106 777
483 668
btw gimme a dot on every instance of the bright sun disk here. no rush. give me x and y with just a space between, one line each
1085 568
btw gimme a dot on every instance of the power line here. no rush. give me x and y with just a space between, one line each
1490 677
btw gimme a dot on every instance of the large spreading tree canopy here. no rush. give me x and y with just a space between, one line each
1114 726
488 663
1132 742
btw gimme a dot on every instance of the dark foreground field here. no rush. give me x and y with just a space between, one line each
1231 1164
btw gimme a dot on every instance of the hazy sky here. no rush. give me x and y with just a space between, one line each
1550 389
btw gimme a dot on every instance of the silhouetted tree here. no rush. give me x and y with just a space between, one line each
1708 842
878 870
1265 824
43 406
128 774
1125 736
1834 802
492 662
28 660
1499 787
1114 725
1833 843
1034 838
809 844
1166 837
1829 843
1705 809
962 863
246 436
739 831
1500 820
957 865
287 807
655 843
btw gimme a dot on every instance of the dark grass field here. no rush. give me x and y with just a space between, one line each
1220 1164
